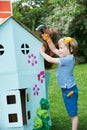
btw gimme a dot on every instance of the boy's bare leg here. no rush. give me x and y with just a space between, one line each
74 122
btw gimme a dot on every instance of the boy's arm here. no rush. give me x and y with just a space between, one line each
49 58
50 44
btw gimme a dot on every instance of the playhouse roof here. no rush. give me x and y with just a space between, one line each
4 20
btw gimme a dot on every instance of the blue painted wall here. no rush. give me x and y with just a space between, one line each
22 76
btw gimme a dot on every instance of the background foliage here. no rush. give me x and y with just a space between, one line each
69 17
31 12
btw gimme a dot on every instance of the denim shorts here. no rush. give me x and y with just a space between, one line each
71 101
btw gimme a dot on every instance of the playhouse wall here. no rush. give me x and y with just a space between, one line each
21 69
7 60
12 37
25 81
31 59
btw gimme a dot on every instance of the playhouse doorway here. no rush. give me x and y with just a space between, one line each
18 107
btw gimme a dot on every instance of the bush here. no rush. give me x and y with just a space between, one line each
78 30
80 60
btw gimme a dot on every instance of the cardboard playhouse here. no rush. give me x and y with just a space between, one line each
23 81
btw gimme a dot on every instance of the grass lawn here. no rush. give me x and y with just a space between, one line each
59 116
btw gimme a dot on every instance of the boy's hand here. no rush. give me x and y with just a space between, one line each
42 49
46 37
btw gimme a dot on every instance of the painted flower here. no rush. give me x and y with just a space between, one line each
41 76
32 59
36 90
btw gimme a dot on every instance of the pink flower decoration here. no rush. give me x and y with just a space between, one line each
41 76
36 90
32 59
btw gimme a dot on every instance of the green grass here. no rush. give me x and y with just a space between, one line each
59 116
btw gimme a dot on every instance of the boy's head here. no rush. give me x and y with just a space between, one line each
70 43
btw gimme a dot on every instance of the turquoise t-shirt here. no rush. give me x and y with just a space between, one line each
64 72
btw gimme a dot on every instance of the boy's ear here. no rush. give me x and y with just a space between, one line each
71 49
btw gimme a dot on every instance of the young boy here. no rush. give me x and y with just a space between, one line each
67 48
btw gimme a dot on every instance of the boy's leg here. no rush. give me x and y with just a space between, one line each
74 122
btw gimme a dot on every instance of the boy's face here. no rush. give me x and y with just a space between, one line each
63 50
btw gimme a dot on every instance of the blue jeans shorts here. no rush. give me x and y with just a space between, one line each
71 101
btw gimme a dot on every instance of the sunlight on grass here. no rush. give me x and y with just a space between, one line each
59 116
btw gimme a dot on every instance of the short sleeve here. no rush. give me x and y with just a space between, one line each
66 60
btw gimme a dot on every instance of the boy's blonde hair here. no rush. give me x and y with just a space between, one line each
71 43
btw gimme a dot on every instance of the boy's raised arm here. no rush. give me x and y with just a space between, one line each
50 43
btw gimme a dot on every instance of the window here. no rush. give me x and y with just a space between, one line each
12 118
11 99
25 48
29 115
28 97
1 50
